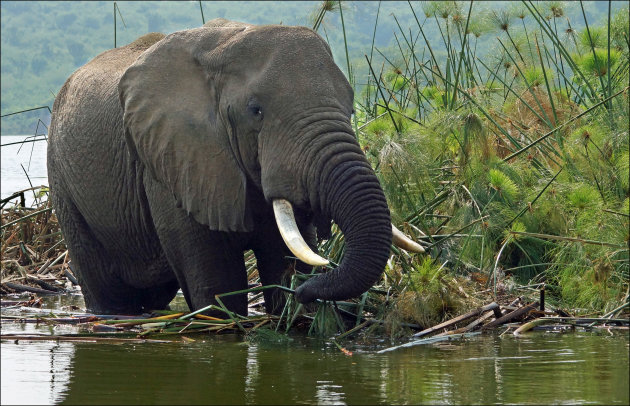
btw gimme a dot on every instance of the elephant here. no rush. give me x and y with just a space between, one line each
170 157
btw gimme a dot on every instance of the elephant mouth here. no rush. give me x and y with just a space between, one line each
285 219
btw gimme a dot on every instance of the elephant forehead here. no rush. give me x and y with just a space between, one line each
263 45
290 69
280 35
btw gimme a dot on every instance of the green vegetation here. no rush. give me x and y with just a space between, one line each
44 42
515 167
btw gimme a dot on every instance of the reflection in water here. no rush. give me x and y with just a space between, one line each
218 371
158 374
252 373
384 378
34 372
327 393
558 368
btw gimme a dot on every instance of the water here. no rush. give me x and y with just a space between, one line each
32 156
539 368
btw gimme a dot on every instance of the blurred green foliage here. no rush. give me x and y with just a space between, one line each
44 42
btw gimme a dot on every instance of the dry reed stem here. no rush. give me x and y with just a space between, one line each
32 246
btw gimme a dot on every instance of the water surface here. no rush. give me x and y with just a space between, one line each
21 162
539 368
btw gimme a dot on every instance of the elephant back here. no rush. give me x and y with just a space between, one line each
87 154
93 85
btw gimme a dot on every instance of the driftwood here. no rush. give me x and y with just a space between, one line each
23 288
70 276
513 312
530 325
43 268
585 322
491 306
45 285
25 337
490 310
512 315
470 326
430 340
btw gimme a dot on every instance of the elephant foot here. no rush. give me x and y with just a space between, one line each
128 300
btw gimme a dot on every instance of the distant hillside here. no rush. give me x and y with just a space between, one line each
44 42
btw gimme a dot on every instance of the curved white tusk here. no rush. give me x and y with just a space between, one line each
291 234
402 241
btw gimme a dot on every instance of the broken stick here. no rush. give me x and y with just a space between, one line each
457 319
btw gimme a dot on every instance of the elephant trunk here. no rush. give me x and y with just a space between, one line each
350 194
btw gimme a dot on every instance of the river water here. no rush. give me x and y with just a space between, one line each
21 162
538 368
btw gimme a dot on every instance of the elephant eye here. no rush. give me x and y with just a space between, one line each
255 109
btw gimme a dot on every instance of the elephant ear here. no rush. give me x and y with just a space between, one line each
173 127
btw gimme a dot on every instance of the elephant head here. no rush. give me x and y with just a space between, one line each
216 112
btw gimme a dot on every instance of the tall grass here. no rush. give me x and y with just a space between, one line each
512 169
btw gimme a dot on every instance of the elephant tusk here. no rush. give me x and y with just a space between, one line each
402 241
285 219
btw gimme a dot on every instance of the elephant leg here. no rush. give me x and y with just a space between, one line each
98 271
205 262
276 263
273 269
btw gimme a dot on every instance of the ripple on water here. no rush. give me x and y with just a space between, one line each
540 368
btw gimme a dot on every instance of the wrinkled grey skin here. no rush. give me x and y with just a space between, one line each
165 155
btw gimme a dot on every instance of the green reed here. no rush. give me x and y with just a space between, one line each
524 169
